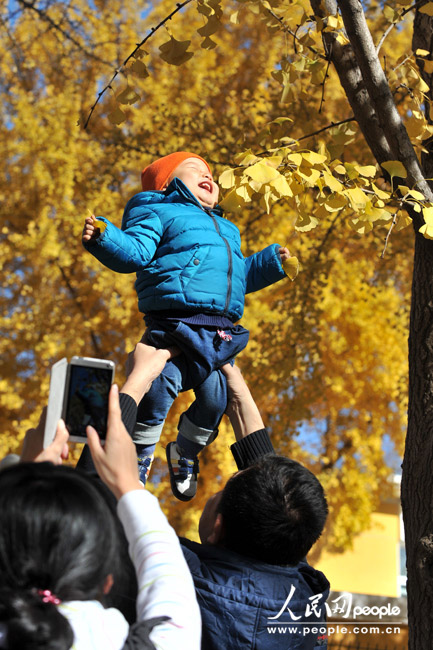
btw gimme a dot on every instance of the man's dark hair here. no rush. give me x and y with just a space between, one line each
273 511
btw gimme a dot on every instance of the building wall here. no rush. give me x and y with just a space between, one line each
372 566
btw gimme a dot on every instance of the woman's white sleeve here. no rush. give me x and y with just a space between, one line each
165 585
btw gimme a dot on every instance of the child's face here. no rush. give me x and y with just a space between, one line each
197 177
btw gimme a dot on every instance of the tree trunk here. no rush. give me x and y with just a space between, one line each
369 94
417 479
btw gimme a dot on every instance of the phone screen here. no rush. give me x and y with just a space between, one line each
88 399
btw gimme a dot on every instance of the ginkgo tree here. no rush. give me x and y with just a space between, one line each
276 96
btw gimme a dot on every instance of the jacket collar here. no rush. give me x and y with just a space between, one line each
180 188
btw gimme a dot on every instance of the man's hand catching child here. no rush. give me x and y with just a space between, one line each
90 231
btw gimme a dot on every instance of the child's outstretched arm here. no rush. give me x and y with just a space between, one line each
265 267
127 249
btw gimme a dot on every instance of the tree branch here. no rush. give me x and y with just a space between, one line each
392 25
292 33
325 128
179 6
380 94
44 16
349 73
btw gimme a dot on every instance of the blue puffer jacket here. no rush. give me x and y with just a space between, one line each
240 600
186 258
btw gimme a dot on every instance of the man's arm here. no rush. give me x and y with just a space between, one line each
252 438
242 410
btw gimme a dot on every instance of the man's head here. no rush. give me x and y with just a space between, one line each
189 168
273 511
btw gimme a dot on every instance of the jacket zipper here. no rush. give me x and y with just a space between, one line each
230 268
188 195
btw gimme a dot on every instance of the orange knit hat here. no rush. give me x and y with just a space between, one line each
155 176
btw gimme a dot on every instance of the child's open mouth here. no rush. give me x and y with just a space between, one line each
206 185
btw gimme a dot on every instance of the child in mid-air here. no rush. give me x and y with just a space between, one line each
191 284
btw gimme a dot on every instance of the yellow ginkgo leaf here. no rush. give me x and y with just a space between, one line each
291 267
175 52
427 231
333 184
305 223
403 220
427 214
313 158
357 198
128 96
231 202
380 193
295 158
139 68
366 170
212 25
208 44
117 116
427 9
262 172
227 179
245 158
281 186
361 227
395 168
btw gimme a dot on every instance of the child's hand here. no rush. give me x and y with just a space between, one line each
90 231
284 253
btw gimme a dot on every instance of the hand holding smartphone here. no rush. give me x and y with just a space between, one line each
79 394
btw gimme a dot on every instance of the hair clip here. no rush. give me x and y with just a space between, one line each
48 597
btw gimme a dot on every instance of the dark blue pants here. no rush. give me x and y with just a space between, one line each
204 351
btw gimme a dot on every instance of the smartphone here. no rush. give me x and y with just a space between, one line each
79 394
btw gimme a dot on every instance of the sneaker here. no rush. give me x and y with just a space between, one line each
144 465
183 473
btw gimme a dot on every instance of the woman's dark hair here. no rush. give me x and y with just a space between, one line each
273 511
57 533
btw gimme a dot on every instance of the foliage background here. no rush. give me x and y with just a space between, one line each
327 355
